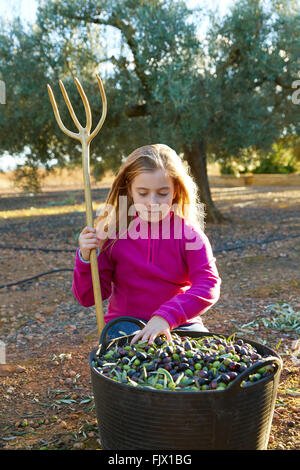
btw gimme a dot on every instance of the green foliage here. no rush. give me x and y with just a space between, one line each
254 61
28 178
227 170
270 164
284 158
231 91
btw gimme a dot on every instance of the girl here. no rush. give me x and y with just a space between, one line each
155 262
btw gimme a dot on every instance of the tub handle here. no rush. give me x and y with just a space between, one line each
103 342
235 384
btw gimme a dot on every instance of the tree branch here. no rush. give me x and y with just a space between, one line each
128 32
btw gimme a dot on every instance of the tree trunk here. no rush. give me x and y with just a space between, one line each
196 158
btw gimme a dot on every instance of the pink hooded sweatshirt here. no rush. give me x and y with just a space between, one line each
164 268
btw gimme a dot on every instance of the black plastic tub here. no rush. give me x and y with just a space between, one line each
236 418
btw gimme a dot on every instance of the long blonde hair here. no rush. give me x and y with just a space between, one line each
150 158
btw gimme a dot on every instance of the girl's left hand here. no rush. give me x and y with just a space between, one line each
156 326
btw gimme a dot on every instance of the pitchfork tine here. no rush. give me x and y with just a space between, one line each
58 118
70 107
104 110
86 105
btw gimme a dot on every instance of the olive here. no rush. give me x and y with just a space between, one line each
141 355
202 381
225 378
205 387
213 384
184 359
177 341
187 345
232 375
163 355
216 364
254 377
254 357
202 373
197 357
158 341
221 386
244 351
167 360
122 351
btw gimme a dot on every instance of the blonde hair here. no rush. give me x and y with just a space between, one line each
150 158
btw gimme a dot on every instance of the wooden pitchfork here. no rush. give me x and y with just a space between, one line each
85 137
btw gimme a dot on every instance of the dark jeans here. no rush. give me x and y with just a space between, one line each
129 328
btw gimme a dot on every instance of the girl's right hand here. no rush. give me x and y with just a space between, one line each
87 241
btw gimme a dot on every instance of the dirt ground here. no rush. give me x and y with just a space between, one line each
46 399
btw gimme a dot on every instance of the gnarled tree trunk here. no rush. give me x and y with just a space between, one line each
196 158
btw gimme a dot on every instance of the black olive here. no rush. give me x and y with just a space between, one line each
225 378
202 381
184 359
167 360
158 341
141 355
187 345
244 351
202 373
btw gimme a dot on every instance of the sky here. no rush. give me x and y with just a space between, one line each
26 9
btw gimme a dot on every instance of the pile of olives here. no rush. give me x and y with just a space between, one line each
194 364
